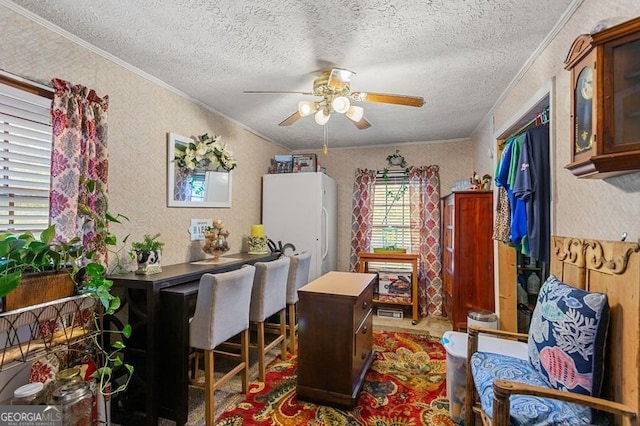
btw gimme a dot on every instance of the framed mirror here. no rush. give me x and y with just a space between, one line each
194 188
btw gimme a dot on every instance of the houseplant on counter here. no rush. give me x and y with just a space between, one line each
148 253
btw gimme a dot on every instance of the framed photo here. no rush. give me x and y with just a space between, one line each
304 163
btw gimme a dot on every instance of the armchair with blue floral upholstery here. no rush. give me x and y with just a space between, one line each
561 382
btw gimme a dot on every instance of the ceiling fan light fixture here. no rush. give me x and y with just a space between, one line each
340 104
307 107
355 113
322 117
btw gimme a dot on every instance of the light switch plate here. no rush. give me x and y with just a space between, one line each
198 227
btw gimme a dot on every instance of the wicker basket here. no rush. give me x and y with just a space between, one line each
39 288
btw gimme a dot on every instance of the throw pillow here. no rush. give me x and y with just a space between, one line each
567 337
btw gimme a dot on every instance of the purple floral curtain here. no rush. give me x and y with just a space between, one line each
79 154
424 194
362 214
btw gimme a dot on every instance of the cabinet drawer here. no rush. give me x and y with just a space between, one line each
362 343
362 306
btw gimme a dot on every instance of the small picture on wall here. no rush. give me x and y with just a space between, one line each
304 163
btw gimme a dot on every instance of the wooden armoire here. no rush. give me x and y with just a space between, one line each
467 254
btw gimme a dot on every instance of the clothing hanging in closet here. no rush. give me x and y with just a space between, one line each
523 180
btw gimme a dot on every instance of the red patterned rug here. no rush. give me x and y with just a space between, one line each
405 386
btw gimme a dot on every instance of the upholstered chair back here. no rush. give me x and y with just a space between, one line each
298 275
269 293
567 335
222 307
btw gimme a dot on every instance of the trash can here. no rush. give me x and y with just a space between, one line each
485 319
455 343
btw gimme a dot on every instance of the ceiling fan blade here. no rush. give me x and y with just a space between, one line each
273 92
362 124
291 119
414 101
339 78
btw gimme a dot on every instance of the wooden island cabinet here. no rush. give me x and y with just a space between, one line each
467 254
335 346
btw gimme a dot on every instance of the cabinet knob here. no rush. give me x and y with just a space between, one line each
364 330
365 305
363 355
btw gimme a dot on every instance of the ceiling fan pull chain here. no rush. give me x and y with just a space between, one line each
325 145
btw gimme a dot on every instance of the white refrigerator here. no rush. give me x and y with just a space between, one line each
301 208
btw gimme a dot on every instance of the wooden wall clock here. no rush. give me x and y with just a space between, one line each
605 107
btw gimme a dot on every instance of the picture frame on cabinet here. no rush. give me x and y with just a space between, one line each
304 163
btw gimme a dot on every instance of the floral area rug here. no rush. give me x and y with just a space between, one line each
405 386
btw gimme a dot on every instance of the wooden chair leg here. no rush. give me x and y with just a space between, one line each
291 308
261 360
244 353
283 333
208 387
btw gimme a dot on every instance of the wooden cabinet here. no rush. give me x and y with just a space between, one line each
467 254
365 258
335 337
605 111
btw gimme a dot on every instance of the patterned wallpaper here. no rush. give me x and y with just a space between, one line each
454 159
594 208
141 113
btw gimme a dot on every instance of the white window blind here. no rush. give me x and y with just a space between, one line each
25 160
391 214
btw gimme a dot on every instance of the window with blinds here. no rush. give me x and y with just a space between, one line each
25 160
391 215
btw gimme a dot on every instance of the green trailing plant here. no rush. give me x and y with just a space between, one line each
396 159
149 243
393 195
103 239
92 279
26 253
95 283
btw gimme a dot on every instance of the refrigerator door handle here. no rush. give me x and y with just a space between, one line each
325 225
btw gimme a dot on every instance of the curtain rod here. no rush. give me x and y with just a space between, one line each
26 80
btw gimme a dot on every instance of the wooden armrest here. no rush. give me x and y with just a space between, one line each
474 329
502 389
472 347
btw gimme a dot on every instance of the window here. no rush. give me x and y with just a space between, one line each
25 157
391 212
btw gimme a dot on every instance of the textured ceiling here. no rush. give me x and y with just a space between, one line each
460 55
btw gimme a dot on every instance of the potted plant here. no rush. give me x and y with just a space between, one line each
390 233
148 253
27 262
396 159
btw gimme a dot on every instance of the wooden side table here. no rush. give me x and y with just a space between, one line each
335 346
365 258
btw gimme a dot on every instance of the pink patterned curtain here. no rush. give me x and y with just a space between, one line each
79 154
424 194
362 214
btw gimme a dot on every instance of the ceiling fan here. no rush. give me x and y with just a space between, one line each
333 86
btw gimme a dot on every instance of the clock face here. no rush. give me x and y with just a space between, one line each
584 111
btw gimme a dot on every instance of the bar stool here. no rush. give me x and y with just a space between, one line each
298 276
222 311
268 298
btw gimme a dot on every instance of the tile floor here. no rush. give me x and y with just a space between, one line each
434 325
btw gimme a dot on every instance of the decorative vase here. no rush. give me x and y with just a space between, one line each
389 237
215 242
396 161
148 262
